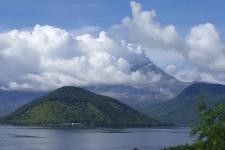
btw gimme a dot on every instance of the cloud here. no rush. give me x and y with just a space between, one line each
147 31
206 54
198 56
161 42
48 57
205 45
171 69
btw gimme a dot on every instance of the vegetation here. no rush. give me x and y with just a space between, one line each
210 132
182 147
76 105
180 110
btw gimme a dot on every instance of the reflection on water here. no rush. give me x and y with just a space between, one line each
37 138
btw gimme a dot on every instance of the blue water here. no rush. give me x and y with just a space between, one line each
40 138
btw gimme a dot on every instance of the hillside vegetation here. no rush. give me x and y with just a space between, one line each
77 105
181 110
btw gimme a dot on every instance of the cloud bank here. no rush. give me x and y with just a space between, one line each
47 57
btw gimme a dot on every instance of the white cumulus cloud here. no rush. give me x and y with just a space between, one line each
48 57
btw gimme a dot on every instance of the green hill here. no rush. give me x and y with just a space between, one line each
68 105
181 110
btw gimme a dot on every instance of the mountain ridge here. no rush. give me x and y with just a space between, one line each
136 97
181 110
168 87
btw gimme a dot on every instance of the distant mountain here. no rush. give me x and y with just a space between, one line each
151 93
77 105
168 87
11 100
181 110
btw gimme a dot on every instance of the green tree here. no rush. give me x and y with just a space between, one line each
210 132
211 128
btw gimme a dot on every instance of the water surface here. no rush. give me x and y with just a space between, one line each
40 138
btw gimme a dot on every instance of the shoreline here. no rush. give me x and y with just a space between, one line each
94 126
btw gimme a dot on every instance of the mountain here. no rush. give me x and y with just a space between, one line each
166 88
77 105
150 93
181 110
11 100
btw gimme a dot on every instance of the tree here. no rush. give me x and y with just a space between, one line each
211 128
210 131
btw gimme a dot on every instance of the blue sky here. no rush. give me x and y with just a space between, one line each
82 42
71 14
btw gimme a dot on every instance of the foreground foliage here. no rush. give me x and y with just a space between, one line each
210 132
182 147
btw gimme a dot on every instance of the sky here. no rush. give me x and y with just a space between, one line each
49 43
70 14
